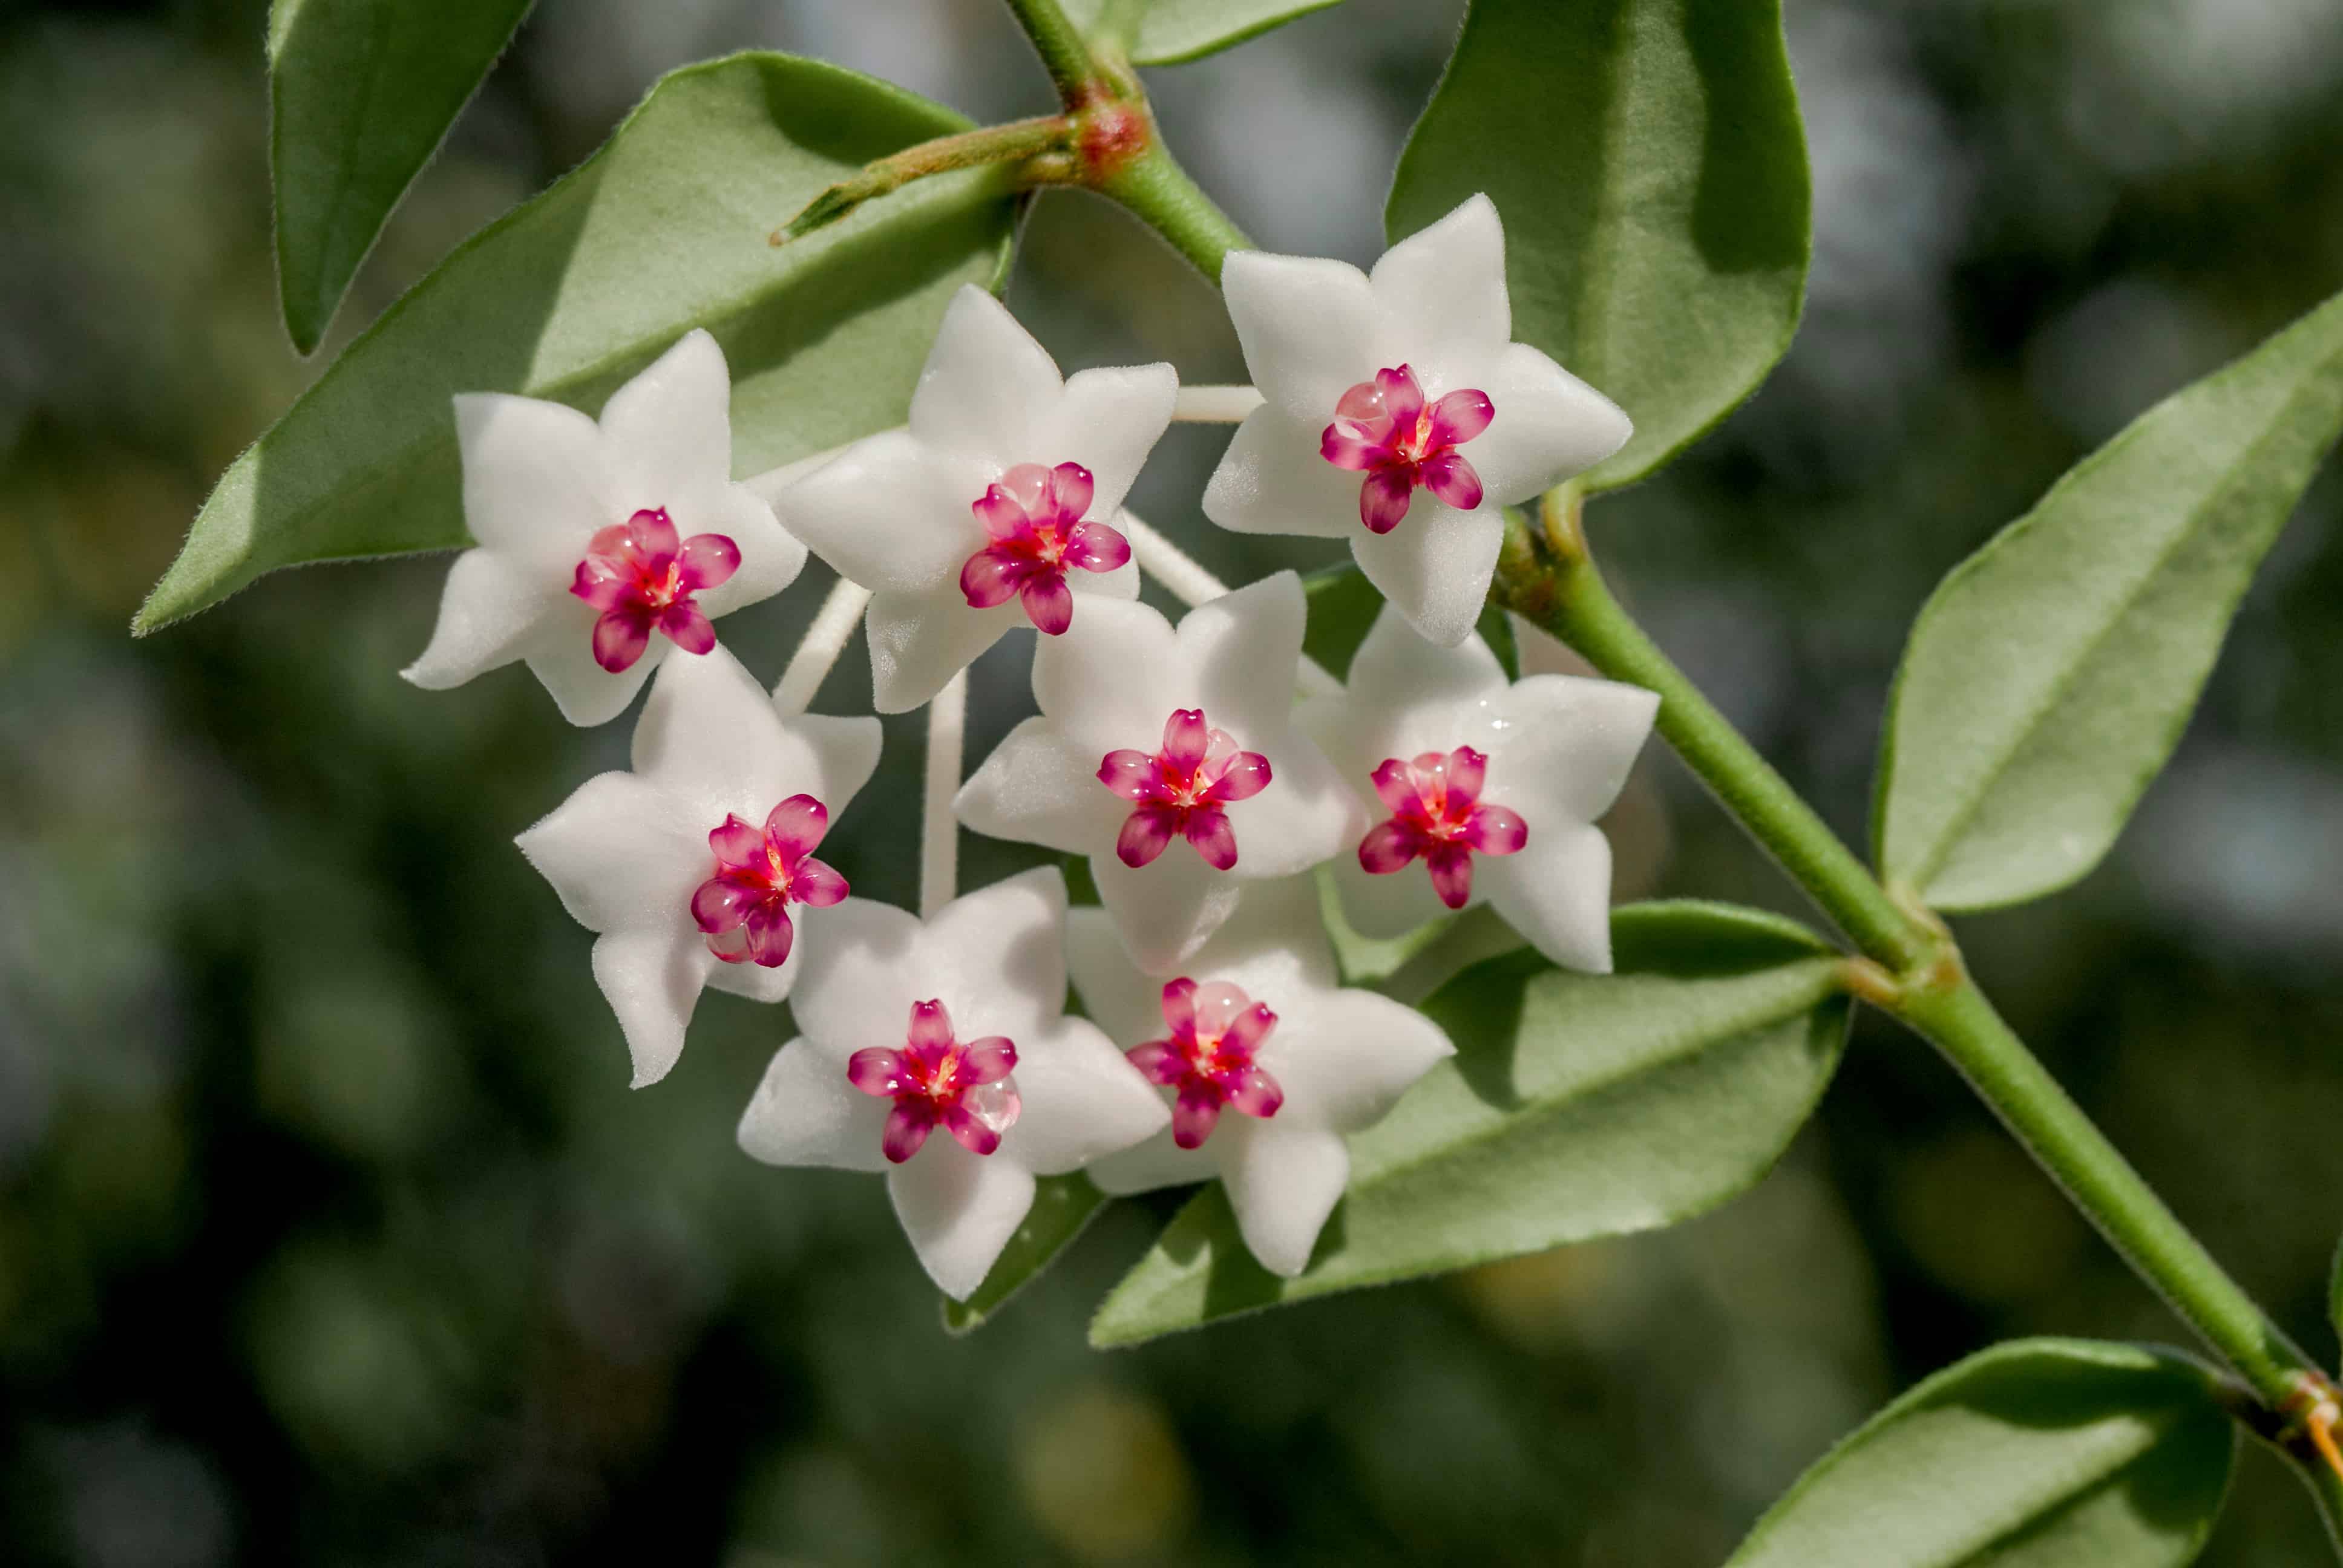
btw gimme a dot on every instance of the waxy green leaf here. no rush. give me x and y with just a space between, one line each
662 230
2050 675
2042 1454
360 93
1172 31
1576 1106
1064 1206
1648 162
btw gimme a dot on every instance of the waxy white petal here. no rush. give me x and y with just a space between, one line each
988 386
1108 419
488 611
1112 680
1242 650
1284 1181
1311 328
805 1112
534 480
1350 1056
668 437
1082 1099
622 853
1434 568
1573 741
959 1209
1447 282
1001 952
1306 815
1394 903
1158 1162
1036 789
1555 891
861 985
1165 909
770 556
652 981
1549 426
560 654
891 512
1401 669
1273 480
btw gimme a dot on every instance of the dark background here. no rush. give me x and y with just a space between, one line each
329 1230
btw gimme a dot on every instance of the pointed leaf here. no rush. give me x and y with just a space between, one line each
1576 1106
2049 677
1172 31
662 230
360 93
1648 162
1063 1207
2042 1454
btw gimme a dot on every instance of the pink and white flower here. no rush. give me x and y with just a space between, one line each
1271 1064
1171 758
697 867
955 1023
1400 416
995 507
1483 790
603 545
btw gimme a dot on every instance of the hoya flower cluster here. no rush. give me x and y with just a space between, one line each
1175 758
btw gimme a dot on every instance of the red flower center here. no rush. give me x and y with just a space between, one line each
744 908
936 1081
1216 1030
1033 518
1436 813
641 577
1185 789
1384 429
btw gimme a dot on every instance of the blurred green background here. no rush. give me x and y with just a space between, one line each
330 1233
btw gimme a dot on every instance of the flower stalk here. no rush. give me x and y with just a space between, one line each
1035 151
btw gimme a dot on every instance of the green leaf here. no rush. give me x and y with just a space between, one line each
1342 605
1576 1106
1062 1207
2335 1291
2050 675
1173 31
2042 1454
360 93
1647 159
660 231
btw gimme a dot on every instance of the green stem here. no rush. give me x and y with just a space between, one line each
1552 581
1065 54
1044 148
1152 184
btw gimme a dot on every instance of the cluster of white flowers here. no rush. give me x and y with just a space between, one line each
1177 759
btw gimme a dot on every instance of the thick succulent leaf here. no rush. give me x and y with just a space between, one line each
360 93
1342 606
2041 1453
1062 1207
2050 675
1172 31
1576 1106
662 230
1648 162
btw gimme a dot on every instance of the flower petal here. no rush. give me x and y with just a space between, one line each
960 1211
1451 866
619 638
876 1070
686 627
1244 648
1256 1094
1146 832
816 884
1574 741
710 733
771 934
930 1027
1109 420
1308 814
919 641
652 978
805 1112
1082 1099
738 844
1550 425
1389 904
534 485
771 556
1308 326
992 577
859 979
1395 669
1495 831
795 827
1284 1181
1386 496
719 906
1194 1116
1345 1060
1072 488
1109 681
1388 848
989 1060
1557 894
1160 1162
1000 952
1000 514
1446 282
1274 479
1096 547
1036 789
667 435
560 654
889 512
988 386
488 611
1167 910
1209 833
1450 477
1122 1001
1159 1061
1248 775
1460 415
623 854
1436 571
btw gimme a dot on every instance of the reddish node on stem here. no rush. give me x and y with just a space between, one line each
1112 133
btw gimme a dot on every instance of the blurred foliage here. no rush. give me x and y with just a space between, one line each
329 1230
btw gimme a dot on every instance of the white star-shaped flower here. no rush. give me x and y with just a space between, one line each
939 1052
1400 416
603 545
994 508
1148 737
1269 1063
1482 790
697 868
